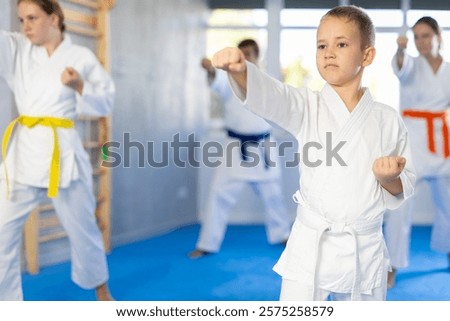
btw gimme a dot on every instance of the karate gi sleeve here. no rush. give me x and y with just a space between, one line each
272 100
8 52
408 176
97 98
407 69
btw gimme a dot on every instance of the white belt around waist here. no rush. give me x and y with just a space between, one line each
322 225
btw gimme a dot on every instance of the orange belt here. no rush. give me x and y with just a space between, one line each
429 118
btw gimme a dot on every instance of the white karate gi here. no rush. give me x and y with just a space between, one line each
422 90
35 79
230 179
336 243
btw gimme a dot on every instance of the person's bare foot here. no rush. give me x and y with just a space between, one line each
391 278
102 293
197 253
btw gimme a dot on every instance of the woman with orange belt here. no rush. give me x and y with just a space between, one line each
425 106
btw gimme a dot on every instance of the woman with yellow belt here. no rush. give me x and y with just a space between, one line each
53 81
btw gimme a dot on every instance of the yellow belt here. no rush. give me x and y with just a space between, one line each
30 122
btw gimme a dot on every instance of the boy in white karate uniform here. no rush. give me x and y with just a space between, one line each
356 166
53 81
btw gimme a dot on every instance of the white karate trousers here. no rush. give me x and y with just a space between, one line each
397 228
224 194
75 207
440 235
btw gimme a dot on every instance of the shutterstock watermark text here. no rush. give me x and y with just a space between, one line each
191 152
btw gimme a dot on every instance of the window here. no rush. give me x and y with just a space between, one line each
442 16
227 27
238 18
386 18
220 38
301 17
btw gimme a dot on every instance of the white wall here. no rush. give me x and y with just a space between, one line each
161 91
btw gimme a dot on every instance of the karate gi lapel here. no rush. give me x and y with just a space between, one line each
44 85
349 122
327 175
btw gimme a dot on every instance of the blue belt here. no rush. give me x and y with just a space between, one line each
247 140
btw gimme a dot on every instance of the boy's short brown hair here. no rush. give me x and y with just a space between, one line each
249 43
360 18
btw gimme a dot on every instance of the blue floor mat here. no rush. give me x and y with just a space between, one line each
158 269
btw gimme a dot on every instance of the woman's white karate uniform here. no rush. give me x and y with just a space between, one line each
423 90
336 244
231 177
35 79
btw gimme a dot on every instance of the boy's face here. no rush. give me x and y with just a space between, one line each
339 57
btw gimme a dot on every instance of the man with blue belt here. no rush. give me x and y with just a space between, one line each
249 132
